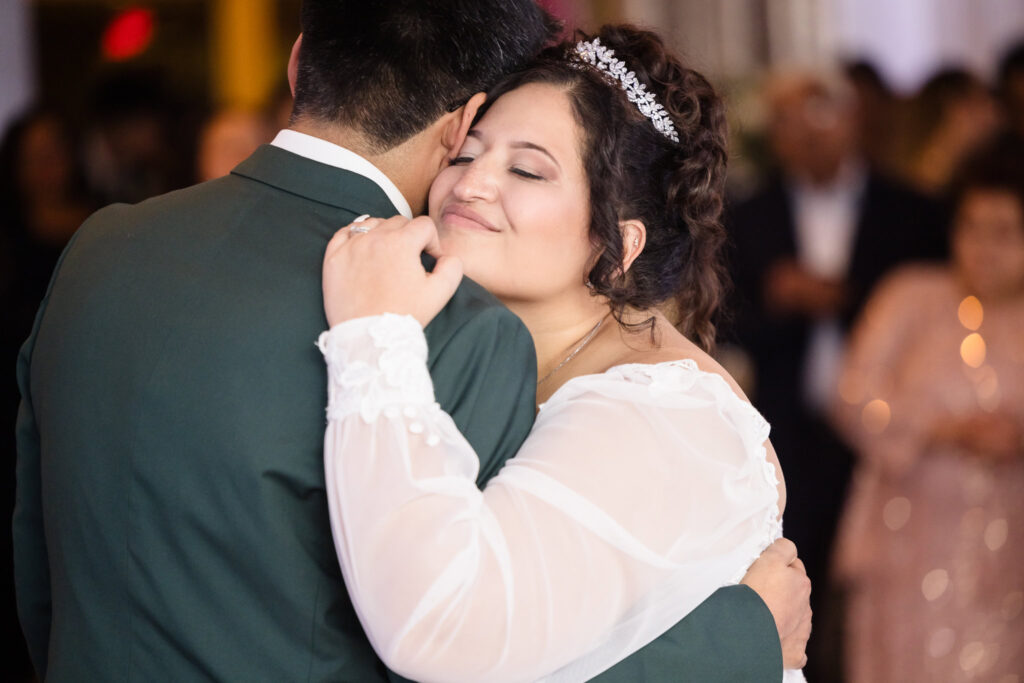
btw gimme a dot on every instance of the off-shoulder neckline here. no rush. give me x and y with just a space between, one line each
687 363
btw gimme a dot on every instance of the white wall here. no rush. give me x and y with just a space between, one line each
907 39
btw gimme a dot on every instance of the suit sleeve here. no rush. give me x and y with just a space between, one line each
31 559
731 637
485 377
31 562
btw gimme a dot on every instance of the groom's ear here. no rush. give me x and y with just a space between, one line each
293 64
457 127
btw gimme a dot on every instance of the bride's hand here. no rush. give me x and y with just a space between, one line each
379 271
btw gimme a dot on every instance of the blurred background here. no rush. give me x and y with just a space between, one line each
876 220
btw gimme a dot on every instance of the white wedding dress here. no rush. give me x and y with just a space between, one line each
639 492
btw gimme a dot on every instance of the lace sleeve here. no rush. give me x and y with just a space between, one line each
628 505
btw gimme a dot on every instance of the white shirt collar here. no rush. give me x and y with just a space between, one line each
825 219
331 154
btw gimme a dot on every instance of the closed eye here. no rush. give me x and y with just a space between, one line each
526 174
457 161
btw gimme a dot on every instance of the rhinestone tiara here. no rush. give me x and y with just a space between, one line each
594 53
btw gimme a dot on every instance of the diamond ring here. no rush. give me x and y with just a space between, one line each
357 227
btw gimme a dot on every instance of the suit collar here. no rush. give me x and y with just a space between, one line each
326 152
316 181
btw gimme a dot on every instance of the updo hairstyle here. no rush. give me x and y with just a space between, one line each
635 172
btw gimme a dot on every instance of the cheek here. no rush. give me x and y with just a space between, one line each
553 232
441 188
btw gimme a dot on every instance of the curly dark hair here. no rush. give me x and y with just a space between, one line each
635 172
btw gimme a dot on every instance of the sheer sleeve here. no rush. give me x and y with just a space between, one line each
637 494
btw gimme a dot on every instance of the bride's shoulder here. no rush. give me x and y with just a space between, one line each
684 369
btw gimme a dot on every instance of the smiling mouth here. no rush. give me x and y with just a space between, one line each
460 216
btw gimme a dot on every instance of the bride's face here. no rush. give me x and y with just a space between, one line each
514 203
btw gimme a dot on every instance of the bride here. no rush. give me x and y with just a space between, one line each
587 198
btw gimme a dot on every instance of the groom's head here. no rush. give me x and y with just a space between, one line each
388 70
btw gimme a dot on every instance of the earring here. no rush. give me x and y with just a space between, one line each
636 241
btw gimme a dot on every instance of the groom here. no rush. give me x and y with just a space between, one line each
171 521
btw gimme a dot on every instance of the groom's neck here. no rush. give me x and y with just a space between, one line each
402 164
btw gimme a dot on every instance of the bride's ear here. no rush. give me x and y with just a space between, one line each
634 237
457 127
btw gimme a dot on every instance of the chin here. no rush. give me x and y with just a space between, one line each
474 263
482 276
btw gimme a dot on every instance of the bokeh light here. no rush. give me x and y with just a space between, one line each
934 584
876 416
896 513
971 313
128 34
972 350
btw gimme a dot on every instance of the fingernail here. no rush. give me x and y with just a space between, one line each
359 219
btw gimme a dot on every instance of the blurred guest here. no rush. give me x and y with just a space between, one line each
877 113
130 147
42 203
228 138
952 114
933 397
808 249
1010 88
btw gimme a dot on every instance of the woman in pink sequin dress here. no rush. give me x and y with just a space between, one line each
932 395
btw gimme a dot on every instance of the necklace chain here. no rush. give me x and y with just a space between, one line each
586 340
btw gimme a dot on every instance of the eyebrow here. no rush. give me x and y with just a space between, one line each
521 144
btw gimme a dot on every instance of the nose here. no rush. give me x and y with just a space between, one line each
477 182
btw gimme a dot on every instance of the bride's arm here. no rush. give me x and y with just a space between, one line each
620 514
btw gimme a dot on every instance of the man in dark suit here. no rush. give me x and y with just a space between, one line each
808 249
171 520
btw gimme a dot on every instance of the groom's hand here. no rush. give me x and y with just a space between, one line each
376 268
779 577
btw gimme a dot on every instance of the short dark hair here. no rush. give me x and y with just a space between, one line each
1012 63
994 166
635 172
390 69
940 92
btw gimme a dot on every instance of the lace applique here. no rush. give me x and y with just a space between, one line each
663 378
377 365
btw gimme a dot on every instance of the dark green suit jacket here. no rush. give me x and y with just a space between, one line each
171 519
